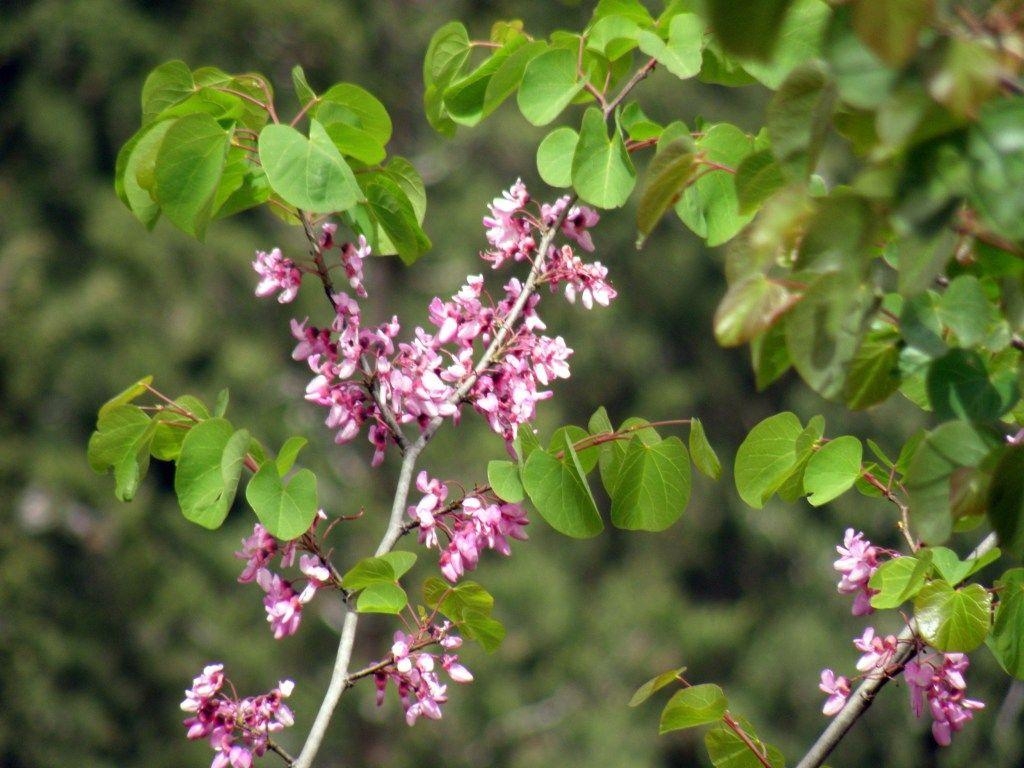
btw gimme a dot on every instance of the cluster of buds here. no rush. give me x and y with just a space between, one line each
281 601
238 729
414 671
362 375
473 524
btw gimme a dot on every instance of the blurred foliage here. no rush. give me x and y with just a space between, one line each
108 610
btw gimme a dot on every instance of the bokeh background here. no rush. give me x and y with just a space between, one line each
107 610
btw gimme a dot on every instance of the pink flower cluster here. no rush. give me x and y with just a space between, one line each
939 680
362 375
472 525
238 729
857 563
277 274
282 603
413 671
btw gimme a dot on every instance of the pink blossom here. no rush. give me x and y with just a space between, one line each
277 274
352 259
577 221
284 609
857 563
588 281
838 689
878 651
414 672
257 550
939 680
237 729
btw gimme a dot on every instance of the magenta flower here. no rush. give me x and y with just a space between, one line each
277 274
238 729
939 680
878 651
857 563
284 608
838 689
413 672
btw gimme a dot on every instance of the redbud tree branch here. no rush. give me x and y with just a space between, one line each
340 678
861 698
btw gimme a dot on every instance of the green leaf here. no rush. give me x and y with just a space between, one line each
465 97
710 206
757 178
400 562
891 28
559 491
749 308
769 356
703 455
652 485
382 598
967 311
188 169
285 509
929 473
667 176
167 85
458 600
370 570
824 330
550 83
798 40
487 631
394 213
655 684
996 149
898 580
588 455
766 457
503 477
874 373
833 469
602 172
953 620
126 395
121 442
728 750
613 36
748 29
798 118
446 54
840 235
953 569
308 173
959 388
526 442
348 104
303 92
135 172
1007 639
405 175
554 156
288 453
507 78
681 55
356 143
208 469
1006 500
696 705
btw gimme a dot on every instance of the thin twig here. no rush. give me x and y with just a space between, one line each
861 699
640 74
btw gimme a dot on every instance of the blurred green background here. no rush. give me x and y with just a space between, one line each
108 610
